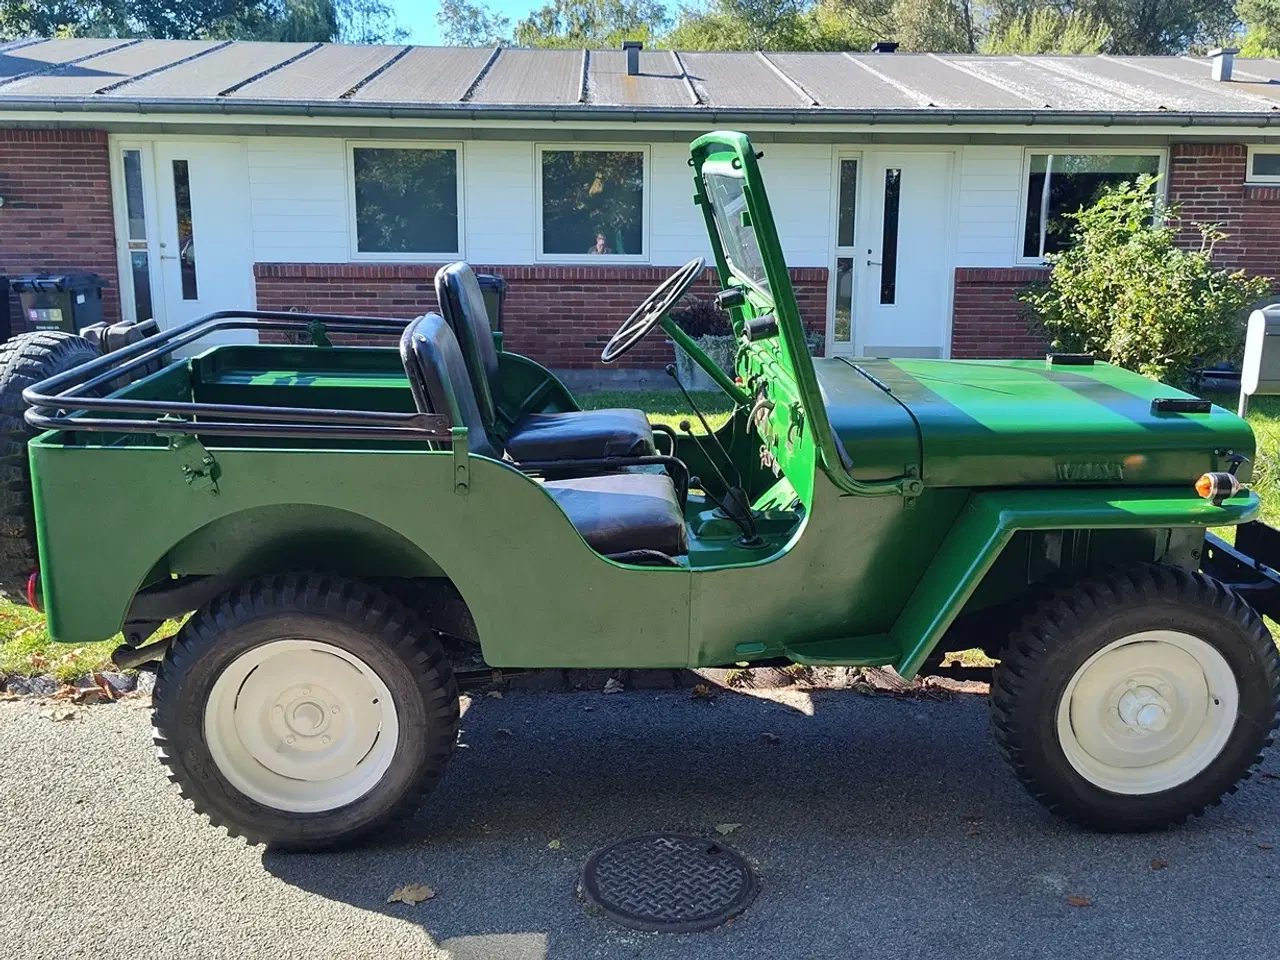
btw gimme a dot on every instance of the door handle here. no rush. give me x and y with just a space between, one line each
169 256
870 263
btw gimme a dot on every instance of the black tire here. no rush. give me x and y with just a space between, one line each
25 360
1054 643
356 617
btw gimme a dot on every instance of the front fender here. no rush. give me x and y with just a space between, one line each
991 518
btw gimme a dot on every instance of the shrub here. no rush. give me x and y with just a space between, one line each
1126 293
702 318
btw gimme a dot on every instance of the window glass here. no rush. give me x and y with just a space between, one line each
133 195
593 202
733 223
406 200
843 330
889 240
848 201
1061 183
1266 165
186 230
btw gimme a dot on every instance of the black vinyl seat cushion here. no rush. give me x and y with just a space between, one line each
615 513
619 512
570 435
581 435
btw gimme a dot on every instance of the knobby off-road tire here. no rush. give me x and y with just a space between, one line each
1098 688
25 360
305 710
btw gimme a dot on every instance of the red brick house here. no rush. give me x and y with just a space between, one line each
915 193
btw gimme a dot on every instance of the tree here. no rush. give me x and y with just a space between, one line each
351 21
1126 292
592 23
1048 30
1162 26
1262 27
464 24
767 25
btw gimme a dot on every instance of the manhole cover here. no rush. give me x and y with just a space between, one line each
668 883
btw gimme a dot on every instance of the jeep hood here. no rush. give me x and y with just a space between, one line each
978 423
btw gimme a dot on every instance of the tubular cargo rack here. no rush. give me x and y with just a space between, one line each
66 401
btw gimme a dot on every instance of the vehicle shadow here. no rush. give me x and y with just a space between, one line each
865 812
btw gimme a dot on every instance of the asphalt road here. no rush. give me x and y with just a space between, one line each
880 828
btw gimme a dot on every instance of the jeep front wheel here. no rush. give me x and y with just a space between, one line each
303 711
1137 699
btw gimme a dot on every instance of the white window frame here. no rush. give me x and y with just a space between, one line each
838 252
1020 230
1250 176
151 224
409 256
646 162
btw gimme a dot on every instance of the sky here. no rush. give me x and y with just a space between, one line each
419 16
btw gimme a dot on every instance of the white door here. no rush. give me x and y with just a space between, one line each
900 271
205 237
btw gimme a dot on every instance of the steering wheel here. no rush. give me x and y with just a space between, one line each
650 313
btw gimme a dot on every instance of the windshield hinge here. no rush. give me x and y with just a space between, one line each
912 485
461 462
198 467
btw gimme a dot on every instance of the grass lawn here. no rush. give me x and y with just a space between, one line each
25 647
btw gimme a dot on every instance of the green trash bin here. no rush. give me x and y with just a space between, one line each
60 301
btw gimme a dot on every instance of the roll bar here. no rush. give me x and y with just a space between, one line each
64 401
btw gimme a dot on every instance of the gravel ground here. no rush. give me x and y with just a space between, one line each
881 828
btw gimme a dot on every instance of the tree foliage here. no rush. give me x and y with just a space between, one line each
592 23
350 21
1048 30
1261 19
464 24
1127 293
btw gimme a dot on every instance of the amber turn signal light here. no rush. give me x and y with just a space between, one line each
1218 486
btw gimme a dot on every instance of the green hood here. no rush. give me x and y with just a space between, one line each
979 423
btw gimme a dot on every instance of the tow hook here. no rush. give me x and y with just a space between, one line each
34 595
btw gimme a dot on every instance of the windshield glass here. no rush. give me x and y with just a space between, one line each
729 205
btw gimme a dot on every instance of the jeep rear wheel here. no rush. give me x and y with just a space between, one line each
303 711
1137 699
25 360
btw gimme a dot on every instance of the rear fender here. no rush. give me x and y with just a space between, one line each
990 519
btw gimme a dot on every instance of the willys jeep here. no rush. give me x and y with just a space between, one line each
341 519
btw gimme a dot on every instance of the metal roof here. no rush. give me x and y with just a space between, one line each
246 78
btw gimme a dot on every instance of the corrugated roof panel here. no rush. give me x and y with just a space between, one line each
659 82
836 82
1260 68
1035 87
1195 86
326 74
427 75
82 79
532 76
940 84
42 56
738 80
1148 89
207 76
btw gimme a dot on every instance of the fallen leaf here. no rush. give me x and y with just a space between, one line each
502 732
6 695
1264 846
703 692
724 829
411 893
1079 900
67 691
62 713
38 660
613 685
973 832
494 694
1159 864
770 738
553 845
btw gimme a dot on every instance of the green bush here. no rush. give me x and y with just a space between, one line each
1127 293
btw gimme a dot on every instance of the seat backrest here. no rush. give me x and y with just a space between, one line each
462 303
439 381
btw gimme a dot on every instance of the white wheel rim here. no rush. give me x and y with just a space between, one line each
301 726
1148 712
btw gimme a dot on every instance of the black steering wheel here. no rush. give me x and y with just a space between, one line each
650 313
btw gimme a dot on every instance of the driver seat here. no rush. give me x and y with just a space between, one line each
535 437
625 516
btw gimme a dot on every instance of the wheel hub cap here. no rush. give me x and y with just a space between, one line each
301 726
1147 712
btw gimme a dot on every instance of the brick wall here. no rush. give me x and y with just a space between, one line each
988 321
561 316
56 215
1207 181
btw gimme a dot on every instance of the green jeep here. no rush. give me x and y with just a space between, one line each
346 522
